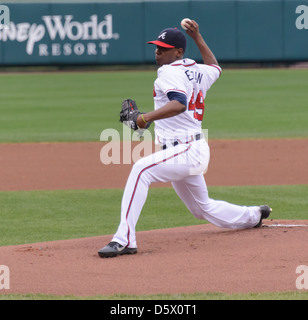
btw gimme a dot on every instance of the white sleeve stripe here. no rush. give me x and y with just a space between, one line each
217 67
175 90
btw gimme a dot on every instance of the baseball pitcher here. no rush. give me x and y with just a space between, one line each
179 93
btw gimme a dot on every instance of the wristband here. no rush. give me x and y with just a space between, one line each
143 118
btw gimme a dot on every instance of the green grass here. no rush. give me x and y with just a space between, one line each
38 216
67 106
258 104
77 106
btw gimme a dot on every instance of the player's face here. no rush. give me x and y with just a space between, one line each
167 55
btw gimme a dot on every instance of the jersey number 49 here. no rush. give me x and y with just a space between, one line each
197 105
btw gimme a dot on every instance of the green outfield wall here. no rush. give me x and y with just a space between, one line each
116 32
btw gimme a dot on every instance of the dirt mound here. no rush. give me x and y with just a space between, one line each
181 260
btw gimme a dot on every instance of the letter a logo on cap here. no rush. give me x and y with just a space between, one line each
163 35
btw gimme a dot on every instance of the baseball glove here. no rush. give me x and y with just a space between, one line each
130 113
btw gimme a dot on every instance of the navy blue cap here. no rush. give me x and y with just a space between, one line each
171 38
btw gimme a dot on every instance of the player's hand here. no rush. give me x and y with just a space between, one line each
192 29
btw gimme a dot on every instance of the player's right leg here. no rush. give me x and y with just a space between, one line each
193 192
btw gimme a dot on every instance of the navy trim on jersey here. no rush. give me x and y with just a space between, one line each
181 97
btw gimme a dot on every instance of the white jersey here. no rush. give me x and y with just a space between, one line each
189 78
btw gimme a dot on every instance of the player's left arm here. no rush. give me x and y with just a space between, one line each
171 109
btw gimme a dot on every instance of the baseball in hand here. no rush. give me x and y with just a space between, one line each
183 23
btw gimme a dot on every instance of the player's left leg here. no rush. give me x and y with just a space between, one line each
194 193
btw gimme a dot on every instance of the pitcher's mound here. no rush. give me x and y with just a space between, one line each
191 259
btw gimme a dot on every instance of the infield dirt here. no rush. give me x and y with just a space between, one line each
52 166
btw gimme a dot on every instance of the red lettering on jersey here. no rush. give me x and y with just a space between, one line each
197 105
154 93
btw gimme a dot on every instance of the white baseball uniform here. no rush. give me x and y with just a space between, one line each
185 156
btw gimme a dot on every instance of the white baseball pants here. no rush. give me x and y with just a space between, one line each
183 166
